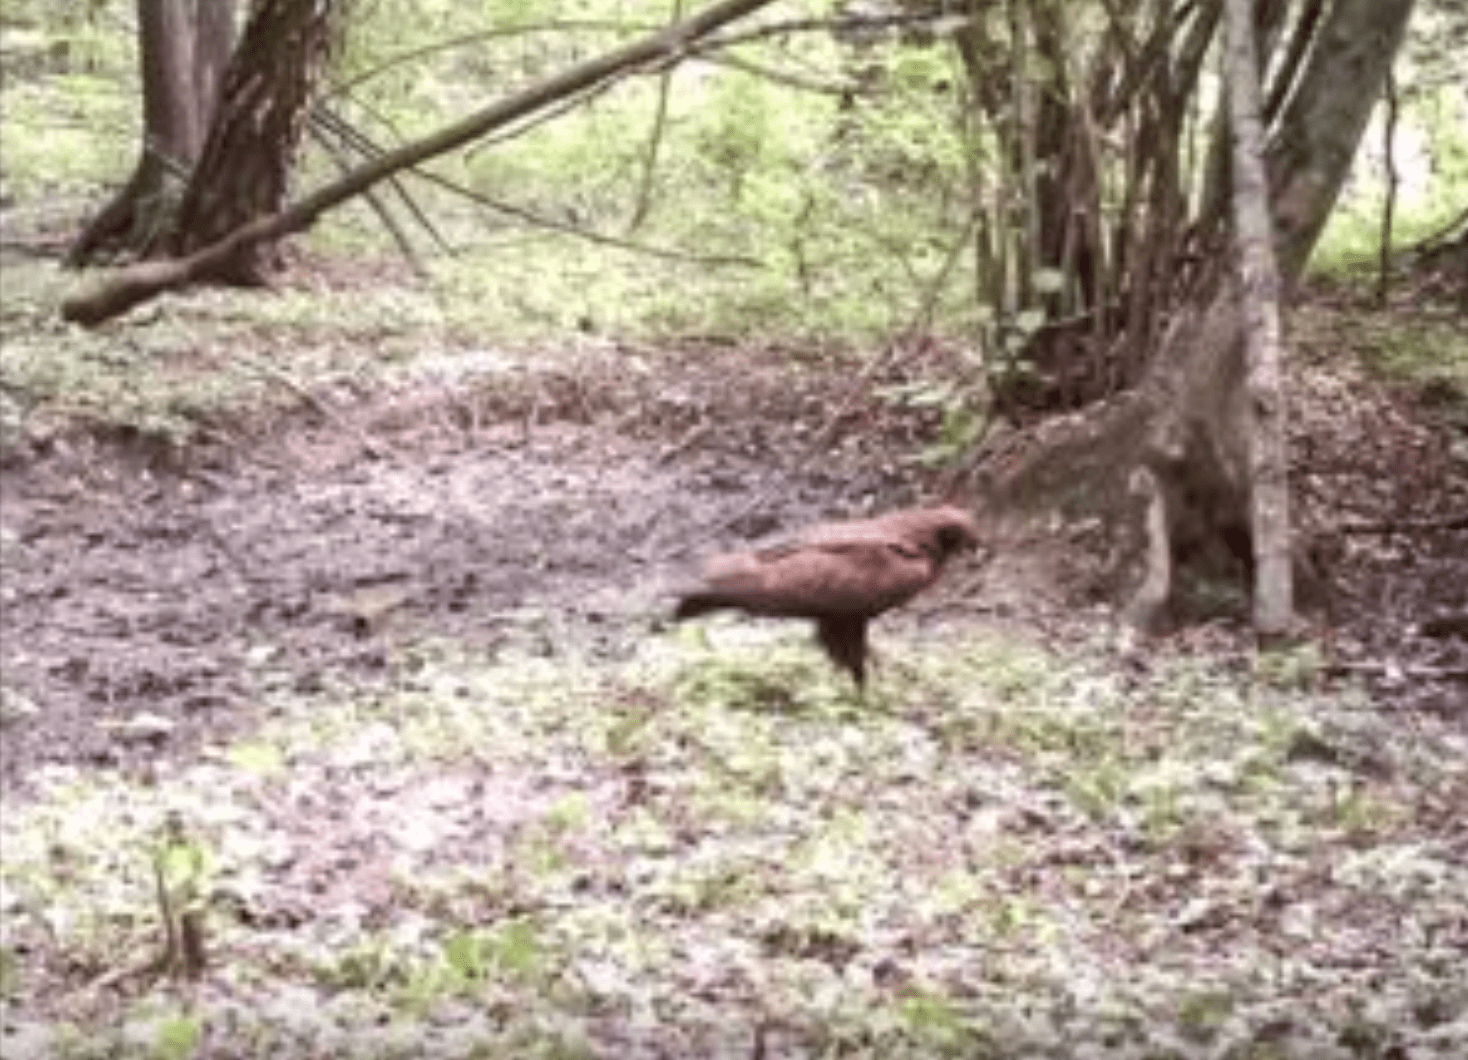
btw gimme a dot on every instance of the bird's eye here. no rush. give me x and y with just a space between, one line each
952 538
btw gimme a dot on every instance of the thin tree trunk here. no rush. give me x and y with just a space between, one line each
1172 469
654 141
244 170
1322 123
1259 290
182 44
1389 206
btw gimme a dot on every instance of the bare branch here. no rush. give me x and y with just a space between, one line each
654 141
542 221
783 77
569 25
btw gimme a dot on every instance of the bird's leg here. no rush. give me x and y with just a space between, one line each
845 641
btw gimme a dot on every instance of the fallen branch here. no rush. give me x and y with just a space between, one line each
1398 672
1453 624
374 449
1458 521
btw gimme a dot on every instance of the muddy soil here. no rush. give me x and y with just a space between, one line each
156 599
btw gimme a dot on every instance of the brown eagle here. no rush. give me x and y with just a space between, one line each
838 575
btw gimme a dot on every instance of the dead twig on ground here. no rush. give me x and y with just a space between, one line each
1456 521
374 448
1397 671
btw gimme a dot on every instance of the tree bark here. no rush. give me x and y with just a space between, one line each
131 287
1259 284
244 170
182 44
1321 127
1168 469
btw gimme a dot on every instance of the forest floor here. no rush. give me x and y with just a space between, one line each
368 654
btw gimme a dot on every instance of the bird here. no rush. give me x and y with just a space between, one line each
839 575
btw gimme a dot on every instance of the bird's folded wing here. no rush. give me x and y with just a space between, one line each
859 576
867 532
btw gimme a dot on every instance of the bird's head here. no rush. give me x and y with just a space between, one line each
947 530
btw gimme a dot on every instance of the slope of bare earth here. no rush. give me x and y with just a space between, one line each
478 498
144 583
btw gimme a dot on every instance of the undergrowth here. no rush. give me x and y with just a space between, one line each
1001 850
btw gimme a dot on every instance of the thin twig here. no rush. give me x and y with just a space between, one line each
373 448
1398 671
542 221
479 37
654 141
1456 521
355 138
318 132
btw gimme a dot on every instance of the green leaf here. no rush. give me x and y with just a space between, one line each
257 757
1030 321
517 949
178 1037
465 953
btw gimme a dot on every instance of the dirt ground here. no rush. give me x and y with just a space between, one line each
153 598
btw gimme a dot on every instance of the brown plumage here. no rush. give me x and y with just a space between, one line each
839 575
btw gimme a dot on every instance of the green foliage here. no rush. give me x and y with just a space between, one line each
1432 158
72 135
964 421
9 972
1296 667
71 115
844 184
1426 350
745 682
178 1036
257 756
938 1023
369 965
643 840
835 238
191 364
1417 348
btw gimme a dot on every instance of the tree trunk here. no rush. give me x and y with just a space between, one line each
244 170
1259 282
182 45
1173 459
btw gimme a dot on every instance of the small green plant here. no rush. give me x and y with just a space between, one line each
1098 787
260 757
768 685
177 1036
1203 1014
1291 668
936 1022
371 964
1361 813
9 972
964 417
